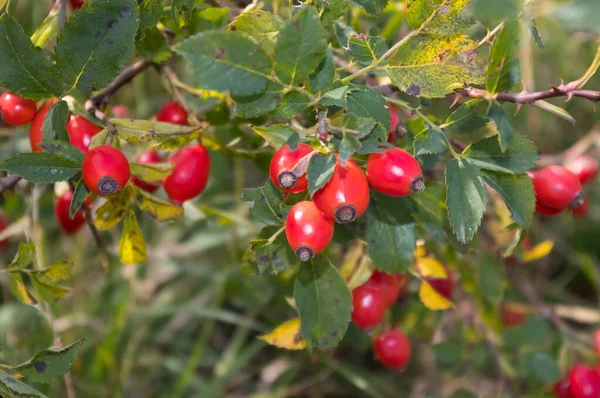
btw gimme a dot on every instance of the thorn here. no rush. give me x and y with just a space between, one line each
569 97
524 90
457 97
518 108
594 105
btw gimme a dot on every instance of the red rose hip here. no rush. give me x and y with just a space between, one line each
388 284
393 349
510 316
307 229
3 225
584 382
282 165
61 210
190 174
171 112
81 132
395 172
35 129
16 110
147 157
562 388
346 196
557 188
584 167
105 170
368 306
77 4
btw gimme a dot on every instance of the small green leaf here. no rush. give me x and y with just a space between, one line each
300 47
517 192
132 247
226 62
55 273
79 197
252 106
320 80
274 255
503 123
365 102
348 146
503 69
291 105
267 201
261 26
439 18
20 290
366 49
140 131
41 167
336 97
46 292
466 198
25 256
153 46
519 157
536 35
324 303
372 7
55 123
430 141
49 365
276 135
64 149
544 367
181 8
25 69
332 10
96 42
319 171
159 209
150 12
466 119
13 388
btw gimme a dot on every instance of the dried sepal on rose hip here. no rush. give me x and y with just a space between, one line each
288 168
105 170
393 349
395 172
307 229
190 174
346 196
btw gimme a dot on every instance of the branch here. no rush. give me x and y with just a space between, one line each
564 90
126 75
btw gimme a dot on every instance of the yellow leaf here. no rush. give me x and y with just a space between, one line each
431 268
432 299
19 290
110 213
158 209
420 252
132 247
57 272
287 335
538 251
357 267
153 172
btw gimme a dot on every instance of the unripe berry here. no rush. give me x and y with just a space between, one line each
346 196
171 112
190 174
307 229
61 210
394 133
562 388
16 110
147 157
35 129
105 170
395 172
388 284
368 306
557 188
443 286
582 210
3 225
281 168
393 349
81 132
584 382
510 316
584 167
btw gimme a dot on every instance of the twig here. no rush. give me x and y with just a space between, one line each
524 97
8 182
491 34
101 98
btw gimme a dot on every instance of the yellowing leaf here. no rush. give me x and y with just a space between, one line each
287 335
153 172
19 290
538 251
431 268
432 299
158 209
357 267
420 252
132 247
110 213
48 293
55 273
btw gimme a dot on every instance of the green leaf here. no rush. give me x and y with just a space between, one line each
370 6
181 8
151 172
132 247
466 119
536 35
366 49
55 123
266 203
492 280
343 32
466 198
336 97
252 106
140 131
13 388
46 292
519 157
150 12
274 255
159 209
25 69
517 192
153 46
300 47
276 135
391 233
447 352
503 70
432 68
95 43
25 256
324 303
227 62
439 18
63 149
55 273
365 102
544 367
79 196
320 80
348 146
430 141
333 9
503 123
292 103
20 290
49 365
261 26
320 170
41 167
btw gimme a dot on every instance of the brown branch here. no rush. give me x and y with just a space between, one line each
564 90
8 182
101 98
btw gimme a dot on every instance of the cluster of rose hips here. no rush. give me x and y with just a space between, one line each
309 225
581 381
105 169
559 188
